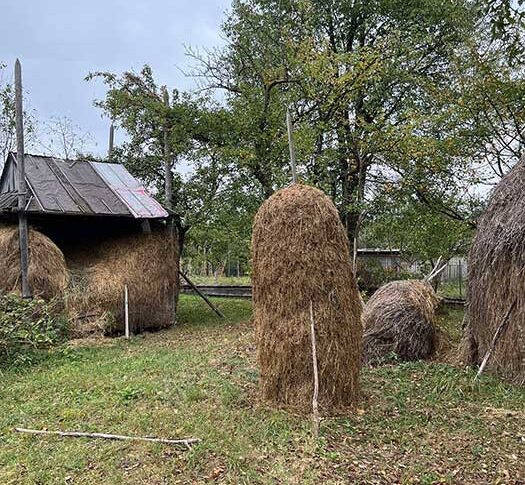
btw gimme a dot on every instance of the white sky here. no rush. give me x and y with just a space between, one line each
60 41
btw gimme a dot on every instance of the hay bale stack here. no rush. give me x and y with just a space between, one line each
47 272
399 320
496 278
300 255
147 263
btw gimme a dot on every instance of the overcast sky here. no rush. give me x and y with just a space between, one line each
60 41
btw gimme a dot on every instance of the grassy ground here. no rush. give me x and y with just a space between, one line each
453 289
418 423
221 280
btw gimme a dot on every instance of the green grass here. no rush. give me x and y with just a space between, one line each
417 423
221 280
453 289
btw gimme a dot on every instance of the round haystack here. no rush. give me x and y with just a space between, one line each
146 263
497 279
301 257
398 321
47 272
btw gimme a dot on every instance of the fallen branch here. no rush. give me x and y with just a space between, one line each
315 408
499 332
77 434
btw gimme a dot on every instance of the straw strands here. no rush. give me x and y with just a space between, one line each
497 279
48 275
399 322
300 258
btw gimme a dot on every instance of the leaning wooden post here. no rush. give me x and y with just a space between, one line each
291 144
21 182
202 295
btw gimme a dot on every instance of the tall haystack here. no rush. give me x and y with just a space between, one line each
301 256
399 320
497 279
146 263
47 275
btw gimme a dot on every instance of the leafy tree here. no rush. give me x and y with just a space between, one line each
176 137
403 95
357 73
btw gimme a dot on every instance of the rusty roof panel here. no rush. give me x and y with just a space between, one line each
130 190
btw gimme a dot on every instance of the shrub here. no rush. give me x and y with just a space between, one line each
371 275
28 325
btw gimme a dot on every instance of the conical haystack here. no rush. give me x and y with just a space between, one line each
399 322
47 272
301 256
497 281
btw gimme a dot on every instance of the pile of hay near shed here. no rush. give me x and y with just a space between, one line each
398 321
301 256
47 273
496 279
146 263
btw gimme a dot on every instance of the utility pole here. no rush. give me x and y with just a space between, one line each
291 144
21 182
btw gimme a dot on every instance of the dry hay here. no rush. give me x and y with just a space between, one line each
47 272
300 255
496 278
398 321
146 263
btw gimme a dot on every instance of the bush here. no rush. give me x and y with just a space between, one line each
28 325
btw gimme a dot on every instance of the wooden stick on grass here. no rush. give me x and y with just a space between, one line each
187 442
315 408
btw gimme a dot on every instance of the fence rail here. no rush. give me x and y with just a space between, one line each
245 291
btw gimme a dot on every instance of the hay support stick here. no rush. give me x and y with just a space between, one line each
315 406
291 144
187 442
126 311
499 332
202 295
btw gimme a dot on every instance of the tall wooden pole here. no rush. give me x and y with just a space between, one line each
111 141
168 180
168 194
291 145
21 182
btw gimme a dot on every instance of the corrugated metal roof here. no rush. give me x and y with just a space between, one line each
130 190
80 188
8 201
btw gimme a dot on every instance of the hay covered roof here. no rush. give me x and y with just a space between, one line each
77 187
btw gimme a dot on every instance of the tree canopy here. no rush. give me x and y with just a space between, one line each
403 111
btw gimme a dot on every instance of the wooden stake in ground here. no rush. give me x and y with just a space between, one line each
21 181
187 442
499 332
315 408
126 311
